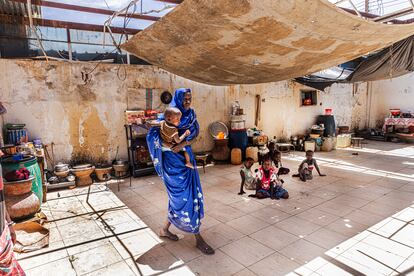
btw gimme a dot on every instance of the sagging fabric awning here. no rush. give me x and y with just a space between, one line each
391 62
223 42
325 78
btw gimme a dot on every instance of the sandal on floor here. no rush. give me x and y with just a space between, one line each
168 235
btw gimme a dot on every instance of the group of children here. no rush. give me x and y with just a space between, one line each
266 180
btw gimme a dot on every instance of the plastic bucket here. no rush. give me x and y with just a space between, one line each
328 111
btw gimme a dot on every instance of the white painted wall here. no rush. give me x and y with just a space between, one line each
57 105
392 93
283 116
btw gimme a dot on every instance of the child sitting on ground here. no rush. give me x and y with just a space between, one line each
268 183
247 178
169 132
306 167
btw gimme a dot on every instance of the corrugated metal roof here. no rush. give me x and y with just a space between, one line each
14 8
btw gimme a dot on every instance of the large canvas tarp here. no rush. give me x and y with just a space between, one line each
392 62
245 41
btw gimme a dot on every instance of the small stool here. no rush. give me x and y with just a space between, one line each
202 158
357 142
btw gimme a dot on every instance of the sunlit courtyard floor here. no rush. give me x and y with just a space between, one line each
358 220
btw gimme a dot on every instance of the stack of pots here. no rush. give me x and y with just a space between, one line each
61 170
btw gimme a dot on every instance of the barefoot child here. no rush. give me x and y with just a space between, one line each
306 167
268 183
169 132
247 178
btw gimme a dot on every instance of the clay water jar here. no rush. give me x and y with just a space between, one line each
121 168
21 202
103 173
22 206
83 174
15 188
221 152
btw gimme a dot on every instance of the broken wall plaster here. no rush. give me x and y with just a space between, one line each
64 115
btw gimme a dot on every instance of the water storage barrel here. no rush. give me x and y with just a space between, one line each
238 139
329 122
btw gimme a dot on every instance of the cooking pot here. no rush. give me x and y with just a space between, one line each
61 167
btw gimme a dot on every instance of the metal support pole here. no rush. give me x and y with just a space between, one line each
412 3
355 8
127 53
69 44
33 28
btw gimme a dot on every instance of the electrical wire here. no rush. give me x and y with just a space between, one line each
33 28
127 19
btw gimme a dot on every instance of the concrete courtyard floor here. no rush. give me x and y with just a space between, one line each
358 220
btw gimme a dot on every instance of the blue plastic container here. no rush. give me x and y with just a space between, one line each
238 139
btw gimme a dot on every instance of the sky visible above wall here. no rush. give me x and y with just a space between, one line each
92 43
115 5
377 7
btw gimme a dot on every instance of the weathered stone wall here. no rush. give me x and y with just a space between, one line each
87 117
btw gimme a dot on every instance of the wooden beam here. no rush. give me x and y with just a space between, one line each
373 16
12 19
56 5
393 15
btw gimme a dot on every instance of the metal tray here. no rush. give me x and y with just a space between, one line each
60 185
